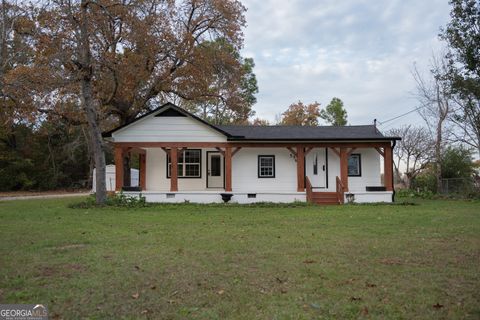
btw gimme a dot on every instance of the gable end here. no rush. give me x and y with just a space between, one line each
170 113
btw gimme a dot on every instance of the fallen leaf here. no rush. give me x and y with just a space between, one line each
144 312
349 281
135 295
220 292
438 306
365 311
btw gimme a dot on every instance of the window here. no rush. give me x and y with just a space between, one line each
354 165
266 166
189 163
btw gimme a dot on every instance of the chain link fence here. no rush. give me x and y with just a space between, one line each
460 186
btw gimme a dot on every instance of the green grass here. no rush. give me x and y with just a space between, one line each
216 262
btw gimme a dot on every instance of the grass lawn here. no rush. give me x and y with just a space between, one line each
216 262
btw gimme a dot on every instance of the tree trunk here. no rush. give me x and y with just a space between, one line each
91 163
438 155
408 181
3 42
95 133
443 110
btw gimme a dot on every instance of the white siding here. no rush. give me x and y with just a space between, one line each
157 173
370 167
371 176
168 129
245 171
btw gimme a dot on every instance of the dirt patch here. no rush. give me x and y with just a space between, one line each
40 193
64 270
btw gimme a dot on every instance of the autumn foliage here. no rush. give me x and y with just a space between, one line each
300 114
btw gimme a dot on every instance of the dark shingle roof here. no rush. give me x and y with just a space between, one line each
278 133
368 132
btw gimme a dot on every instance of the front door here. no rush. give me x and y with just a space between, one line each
214 170
316 167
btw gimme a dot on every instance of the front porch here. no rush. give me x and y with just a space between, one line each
227 167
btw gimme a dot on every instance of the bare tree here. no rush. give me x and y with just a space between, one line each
434 95
414 152
466 121
462 37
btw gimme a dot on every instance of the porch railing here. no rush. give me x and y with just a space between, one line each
308 188
340 191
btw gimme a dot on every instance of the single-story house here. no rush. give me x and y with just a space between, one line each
323 164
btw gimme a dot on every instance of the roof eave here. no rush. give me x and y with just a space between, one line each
313 139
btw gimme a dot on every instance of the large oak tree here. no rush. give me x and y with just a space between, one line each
105 61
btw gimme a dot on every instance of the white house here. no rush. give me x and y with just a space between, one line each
325 164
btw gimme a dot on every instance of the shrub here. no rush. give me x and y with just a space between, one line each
114 200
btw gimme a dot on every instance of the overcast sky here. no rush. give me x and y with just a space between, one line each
360 51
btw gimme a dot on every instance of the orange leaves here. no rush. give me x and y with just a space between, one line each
301 115
142 51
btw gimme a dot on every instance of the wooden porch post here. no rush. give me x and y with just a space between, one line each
142 159
174 169
388 168
118 168
228 169
344 167
300 169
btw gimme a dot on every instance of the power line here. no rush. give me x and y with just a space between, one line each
399 116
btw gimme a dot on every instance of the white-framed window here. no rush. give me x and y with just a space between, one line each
354 165
189 164
266 166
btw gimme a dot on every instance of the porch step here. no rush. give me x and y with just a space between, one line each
324 198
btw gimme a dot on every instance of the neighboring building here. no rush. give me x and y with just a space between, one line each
253 163
110 178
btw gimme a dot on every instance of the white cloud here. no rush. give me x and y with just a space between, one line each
359 51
